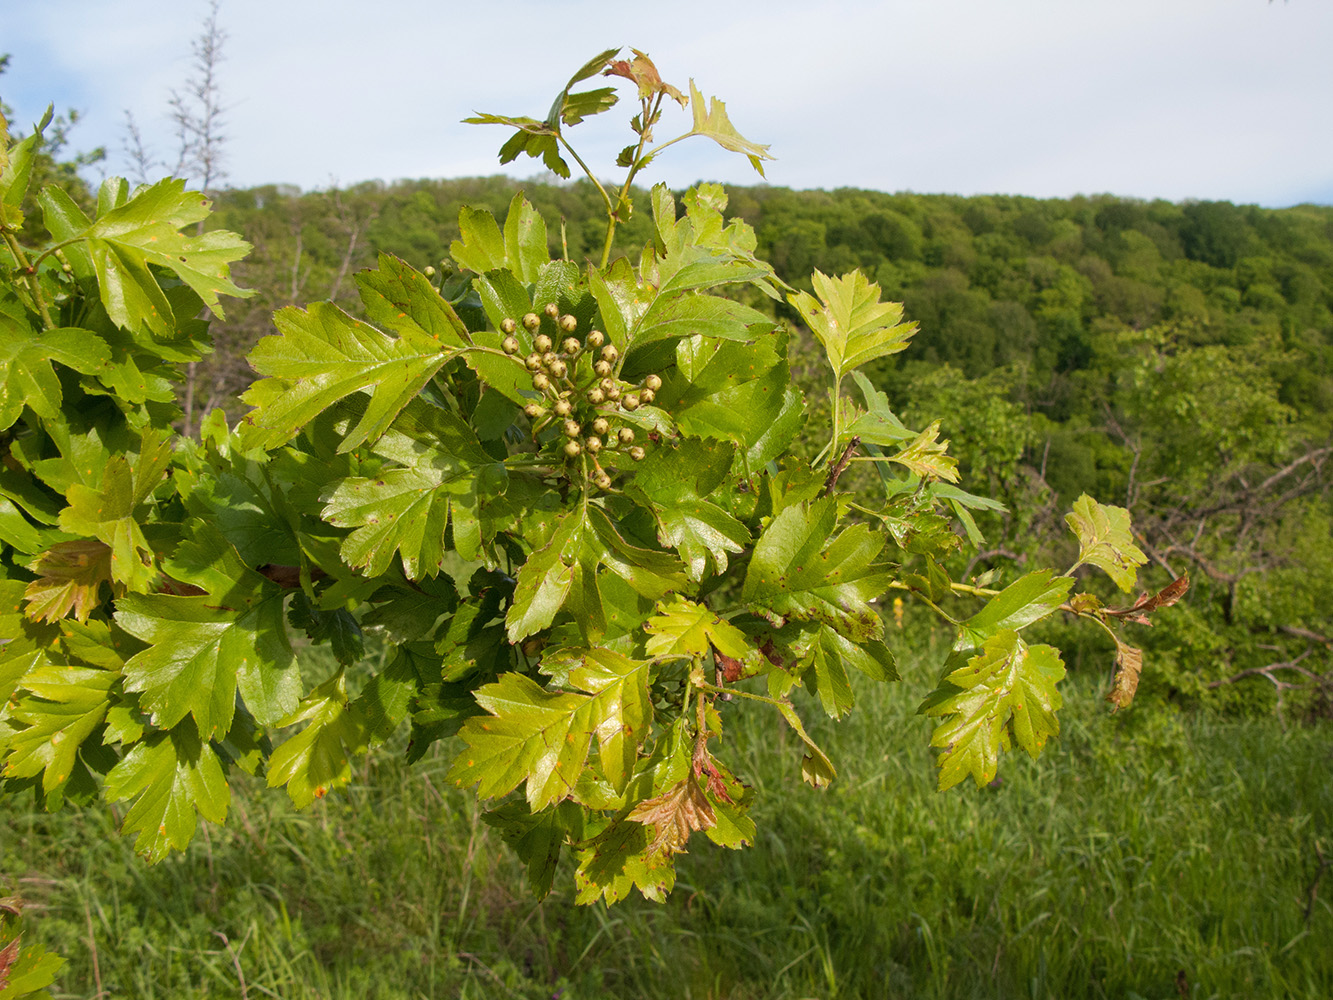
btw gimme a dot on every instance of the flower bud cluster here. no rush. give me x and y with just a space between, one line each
583 402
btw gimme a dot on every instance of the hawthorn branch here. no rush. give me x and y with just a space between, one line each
840 466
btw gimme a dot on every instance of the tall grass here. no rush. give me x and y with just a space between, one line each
1146 855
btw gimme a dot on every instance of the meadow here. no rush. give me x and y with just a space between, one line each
1153 854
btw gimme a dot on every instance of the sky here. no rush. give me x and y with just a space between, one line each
1177 99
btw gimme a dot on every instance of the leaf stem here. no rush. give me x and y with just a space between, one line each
29 272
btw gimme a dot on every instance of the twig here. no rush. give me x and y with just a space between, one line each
841 466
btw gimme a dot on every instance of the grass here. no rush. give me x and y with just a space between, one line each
1148 855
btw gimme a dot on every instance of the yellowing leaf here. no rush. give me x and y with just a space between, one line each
684 628
715 124
928 457
1105 540
851 322
1006 692
70 576
542 737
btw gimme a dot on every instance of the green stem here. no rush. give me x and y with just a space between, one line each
831 448
29 273
705 686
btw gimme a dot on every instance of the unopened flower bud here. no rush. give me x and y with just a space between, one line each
602 368
626 435
541 382
551 309
613 393
508 325
653 382
610 353
647 396
596 338
429 272
533 410
558 368
602 480
532 362
531 321
509 345
570 345
572 428
549 358
563 408
637 453
601 425
573 448
607 385
569 323
630 402
596 396
593 443
541 343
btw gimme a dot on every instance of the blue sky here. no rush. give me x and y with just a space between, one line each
1212 99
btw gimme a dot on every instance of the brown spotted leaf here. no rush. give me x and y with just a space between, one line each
1148 603
69 578
1128 667
674 815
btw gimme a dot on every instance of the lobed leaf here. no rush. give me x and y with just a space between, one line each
1007 692
1105 540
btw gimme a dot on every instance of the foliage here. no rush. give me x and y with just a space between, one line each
569 501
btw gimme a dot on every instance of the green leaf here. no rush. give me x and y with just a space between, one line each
851 322
203 649
146 229
338 627
830 657
727 390
173 775
537 838
400 298
816 768
674 482
538 139
25 972
318 758
878 425
545 579
1105 540
798 570
715 124
112 511
525 249
621 710
684 628
1005 693
542 737
447 475
1028 599
322 355
619 859
587 103
59 709
17 171
25 361
481 246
